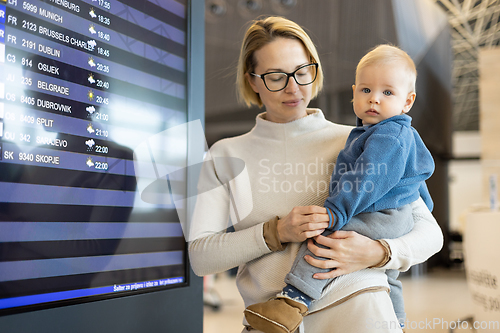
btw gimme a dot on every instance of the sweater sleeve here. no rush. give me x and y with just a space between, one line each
211 248
425 240
362 184
222 251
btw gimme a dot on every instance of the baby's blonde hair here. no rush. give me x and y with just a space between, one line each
260 33
385 54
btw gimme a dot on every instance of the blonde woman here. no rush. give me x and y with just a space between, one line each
289 155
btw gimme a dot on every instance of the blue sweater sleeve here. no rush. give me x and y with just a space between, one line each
375 172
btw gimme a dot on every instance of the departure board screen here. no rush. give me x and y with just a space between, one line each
85 85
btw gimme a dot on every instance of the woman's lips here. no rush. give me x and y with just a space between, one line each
293 102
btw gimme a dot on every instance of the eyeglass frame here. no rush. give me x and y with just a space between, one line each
289 75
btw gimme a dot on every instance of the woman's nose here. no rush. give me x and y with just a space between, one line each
292 85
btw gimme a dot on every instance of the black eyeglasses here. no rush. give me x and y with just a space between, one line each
276 81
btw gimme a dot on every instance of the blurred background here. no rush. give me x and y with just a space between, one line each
454 44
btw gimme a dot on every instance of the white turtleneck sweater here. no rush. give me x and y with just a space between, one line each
287 165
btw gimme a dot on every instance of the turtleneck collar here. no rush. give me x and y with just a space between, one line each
278 131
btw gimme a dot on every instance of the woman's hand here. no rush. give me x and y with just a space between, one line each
347 252
301 223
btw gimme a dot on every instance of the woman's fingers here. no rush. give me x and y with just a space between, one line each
320 263
313 218
328 275
306 210
324 264
325 260
313 233
346 251
343 252
341 234
328 252
355 250
311 226
301 223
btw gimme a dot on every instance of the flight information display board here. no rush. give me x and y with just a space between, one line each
83 83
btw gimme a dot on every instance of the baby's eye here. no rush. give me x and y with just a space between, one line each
366 90
387 93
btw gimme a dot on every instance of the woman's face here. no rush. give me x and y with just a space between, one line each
282 55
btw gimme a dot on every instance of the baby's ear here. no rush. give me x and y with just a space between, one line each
410 99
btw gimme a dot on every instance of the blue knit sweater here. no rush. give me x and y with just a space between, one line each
382 166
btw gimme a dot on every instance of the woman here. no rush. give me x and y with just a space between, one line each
288 157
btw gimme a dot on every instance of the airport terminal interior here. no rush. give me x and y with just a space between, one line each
437 294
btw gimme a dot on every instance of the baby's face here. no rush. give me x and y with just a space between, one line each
381 92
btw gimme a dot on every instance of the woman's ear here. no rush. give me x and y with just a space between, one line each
410 99
251 82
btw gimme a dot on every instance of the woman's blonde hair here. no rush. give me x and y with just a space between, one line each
385 54
260 33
